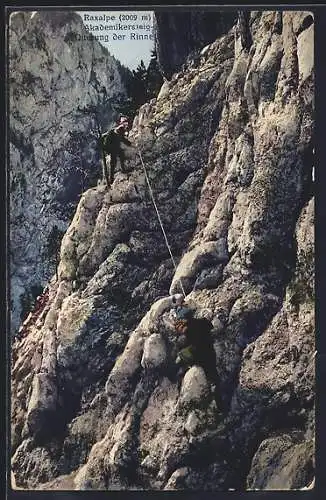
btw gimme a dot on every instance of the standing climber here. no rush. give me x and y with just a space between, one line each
111 144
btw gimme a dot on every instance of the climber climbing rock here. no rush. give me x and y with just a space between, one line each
111 145
172 303
198 349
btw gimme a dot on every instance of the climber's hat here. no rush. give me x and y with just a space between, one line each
123 120
183 315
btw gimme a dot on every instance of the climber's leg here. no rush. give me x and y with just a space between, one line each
105 171
113 164
122 158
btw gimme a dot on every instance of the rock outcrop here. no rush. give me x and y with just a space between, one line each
228 149
60 86
181 35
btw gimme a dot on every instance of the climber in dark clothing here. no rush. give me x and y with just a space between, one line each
111 144
199 349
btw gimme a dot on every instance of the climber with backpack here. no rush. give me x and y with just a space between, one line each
198 349
111 143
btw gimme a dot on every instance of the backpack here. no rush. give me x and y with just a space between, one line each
107 141
204 324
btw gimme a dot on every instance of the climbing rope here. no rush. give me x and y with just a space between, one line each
159 218
309 365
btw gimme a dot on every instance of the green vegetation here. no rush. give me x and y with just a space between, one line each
142 85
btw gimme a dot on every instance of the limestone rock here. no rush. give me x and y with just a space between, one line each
195 388
281 463
42 402
39 459
154 355
206 254
176 478
186 32
155 312
57 87
228 149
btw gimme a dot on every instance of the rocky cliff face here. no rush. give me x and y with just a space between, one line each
179 35
57 85
228 147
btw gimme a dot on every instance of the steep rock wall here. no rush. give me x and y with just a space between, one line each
57 84
228 149
180 34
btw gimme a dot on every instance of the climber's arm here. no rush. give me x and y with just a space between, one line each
126 142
